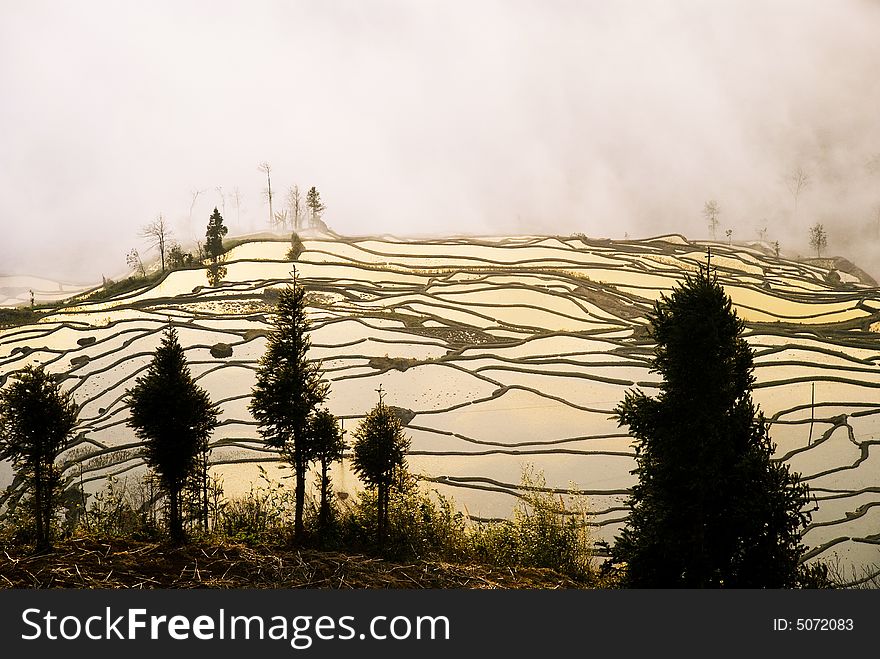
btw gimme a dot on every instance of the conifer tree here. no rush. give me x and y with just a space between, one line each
214 235
214 247
328 446
379 452
313 201
711 508
174 417
36 421
288 389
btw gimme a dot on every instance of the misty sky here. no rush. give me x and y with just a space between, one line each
418 117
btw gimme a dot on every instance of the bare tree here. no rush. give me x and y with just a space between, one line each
711 212
797 182
294 206
729 234
236 196
818 239
281 220
158 232
195 195
762 234
264 167
219 190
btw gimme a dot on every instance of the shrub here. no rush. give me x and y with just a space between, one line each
262 516
547 531
296 247
177 258
18 316
17 525
419 525
123 510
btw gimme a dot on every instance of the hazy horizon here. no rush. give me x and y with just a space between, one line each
436 118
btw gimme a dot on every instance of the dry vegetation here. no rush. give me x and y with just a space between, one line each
119 563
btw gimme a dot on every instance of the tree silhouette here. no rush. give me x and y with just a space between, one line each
214 236
294 206
214 247
194 193
818 239
327 447
313 201
265 167
711 507
797 181
711 212
379 451
236 196
158 233
36 421
174 417
288 389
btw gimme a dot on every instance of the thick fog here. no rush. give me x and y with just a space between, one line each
448 117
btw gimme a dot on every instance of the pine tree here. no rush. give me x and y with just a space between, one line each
174 417
328 446
711 507
214 248
36 422
379 451
288 389
313 201
214 235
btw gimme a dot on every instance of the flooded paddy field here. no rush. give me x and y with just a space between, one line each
504 352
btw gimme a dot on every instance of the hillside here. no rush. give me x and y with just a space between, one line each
501 352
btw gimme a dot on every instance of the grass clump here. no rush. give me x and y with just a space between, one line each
121 510
547 530
419 524
263 516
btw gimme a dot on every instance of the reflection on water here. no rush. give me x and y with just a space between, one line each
507 352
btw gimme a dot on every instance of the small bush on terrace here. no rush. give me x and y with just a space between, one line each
17 525
296 247
123 510
418 525
547 531
262 516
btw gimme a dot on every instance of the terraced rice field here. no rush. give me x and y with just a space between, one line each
505 352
